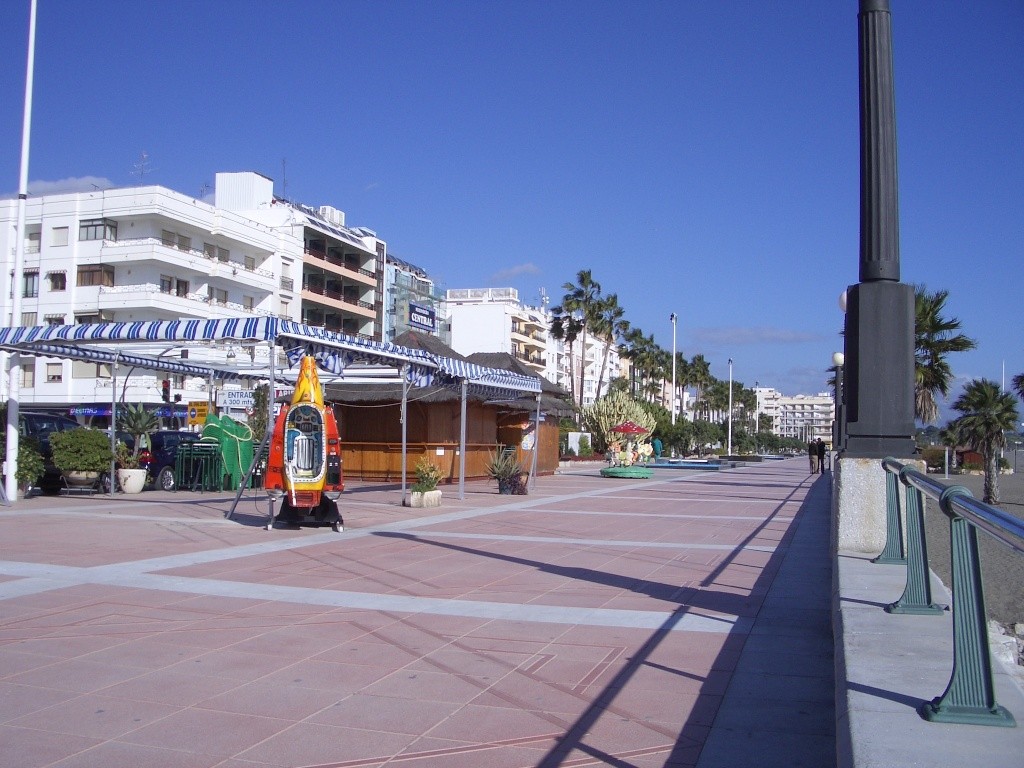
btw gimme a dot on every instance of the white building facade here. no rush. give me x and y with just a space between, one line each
494 320
141 253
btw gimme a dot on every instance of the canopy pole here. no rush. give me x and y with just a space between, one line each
462 441
113 425
402 416
536 446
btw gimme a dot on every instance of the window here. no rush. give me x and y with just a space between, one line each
55 372
248 302
97 229
83 369
217 295
28 318
174 240
28 375
53 319
30 285
58 281
250 263
59 236
216 252
32 242
166 284
96 274
181 287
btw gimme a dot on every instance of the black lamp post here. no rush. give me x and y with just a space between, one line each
878 374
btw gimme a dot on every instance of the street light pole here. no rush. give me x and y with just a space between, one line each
728 449
672 317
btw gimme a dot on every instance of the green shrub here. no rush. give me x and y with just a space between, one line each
585 449
427 476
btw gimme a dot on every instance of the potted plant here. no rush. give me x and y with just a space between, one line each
131 475
504 467
81 455
424 491
137 422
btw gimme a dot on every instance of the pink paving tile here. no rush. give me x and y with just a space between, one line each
233 664
31 748
426 686
385 713
277 700
113 754
475 723
455 660
168 686
427 753
209 732
337 677
522 692
151 652
310 744
18 700
96 716
76 675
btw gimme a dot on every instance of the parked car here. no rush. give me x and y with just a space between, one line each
38 427
162 455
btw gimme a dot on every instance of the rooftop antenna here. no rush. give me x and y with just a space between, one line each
203 190
284 177
141 168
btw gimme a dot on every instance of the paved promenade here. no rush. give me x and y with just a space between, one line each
679 621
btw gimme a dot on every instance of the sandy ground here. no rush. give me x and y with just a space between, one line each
1002 568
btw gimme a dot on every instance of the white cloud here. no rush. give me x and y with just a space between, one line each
507 275
61 186
734 336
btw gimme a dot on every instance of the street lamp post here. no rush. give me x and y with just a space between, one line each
837 425
729 444
672 317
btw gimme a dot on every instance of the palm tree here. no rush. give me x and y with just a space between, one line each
581 300
566 327
987 415
700 375
609 324
935 337
1018 385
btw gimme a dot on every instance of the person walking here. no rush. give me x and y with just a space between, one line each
820 451
812 454
657 446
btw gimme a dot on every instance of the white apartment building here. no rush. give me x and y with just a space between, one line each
338 275
149 253
139 253
494 320
806 417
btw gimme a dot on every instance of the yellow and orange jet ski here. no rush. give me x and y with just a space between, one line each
304 467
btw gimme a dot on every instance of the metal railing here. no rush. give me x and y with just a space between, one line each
970 695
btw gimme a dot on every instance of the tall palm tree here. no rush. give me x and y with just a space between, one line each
566 328
1018 385
988 414
700 375
581 300
935 337
610 324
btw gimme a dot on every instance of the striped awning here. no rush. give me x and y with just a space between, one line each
333 351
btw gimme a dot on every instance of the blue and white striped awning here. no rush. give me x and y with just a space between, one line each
333 351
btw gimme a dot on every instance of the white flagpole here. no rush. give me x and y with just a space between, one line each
14 360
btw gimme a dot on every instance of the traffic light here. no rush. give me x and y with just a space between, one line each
165 390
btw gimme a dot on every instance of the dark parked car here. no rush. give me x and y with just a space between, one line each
163 453
38 427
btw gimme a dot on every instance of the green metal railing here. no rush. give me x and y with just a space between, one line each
970 695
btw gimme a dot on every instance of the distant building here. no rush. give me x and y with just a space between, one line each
806 417
412 302
494 320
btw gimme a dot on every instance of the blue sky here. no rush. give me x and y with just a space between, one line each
699 158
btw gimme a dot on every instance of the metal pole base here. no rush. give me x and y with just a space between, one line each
935 712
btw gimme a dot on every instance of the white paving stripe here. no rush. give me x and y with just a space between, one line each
590 542
674 516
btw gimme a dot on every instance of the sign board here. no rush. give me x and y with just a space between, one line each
422 317
197 412
235 398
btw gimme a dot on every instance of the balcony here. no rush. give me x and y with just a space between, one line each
340 265
149 300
